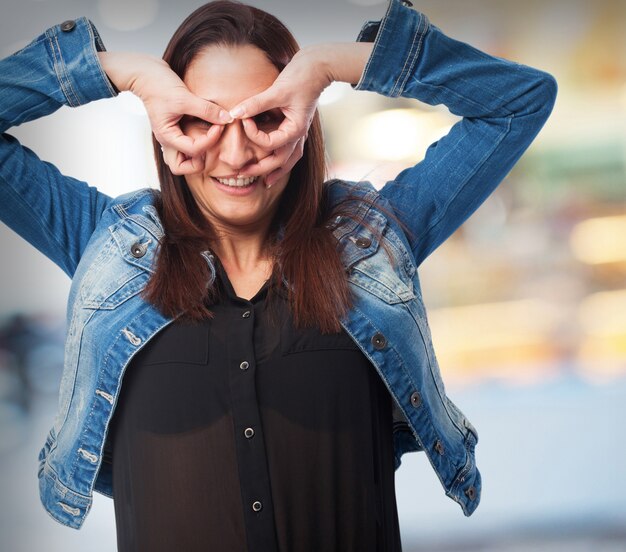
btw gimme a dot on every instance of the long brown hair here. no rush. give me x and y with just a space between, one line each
306 253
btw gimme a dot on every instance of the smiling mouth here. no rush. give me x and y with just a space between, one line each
236 182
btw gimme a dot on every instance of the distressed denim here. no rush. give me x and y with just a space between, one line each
107 245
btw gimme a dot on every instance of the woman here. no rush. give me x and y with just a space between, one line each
268 326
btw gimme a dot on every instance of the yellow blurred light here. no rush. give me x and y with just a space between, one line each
602 350
600 240
510 341
603 314
494 325
398 134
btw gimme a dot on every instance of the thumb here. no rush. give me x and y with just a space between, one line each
204 109
259 103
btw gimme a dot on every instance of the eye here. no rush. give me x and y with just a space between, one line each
189 122
269 119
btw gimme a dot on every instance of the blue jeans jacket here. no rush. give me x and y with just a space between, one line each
106 245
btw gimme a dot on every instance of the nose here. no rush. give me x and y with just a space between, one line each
236 149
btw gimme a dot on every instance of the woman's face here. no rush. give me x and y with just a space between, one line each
226 75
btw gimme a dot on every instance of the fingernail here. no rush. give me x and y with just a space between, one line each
226 117
237 112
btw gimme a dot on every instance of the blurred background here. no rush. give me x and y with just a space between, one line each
527 300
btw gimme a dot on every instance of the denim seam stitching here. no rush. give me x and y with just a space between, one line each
93 41
409 61
47 231
61 71
470 176
377 40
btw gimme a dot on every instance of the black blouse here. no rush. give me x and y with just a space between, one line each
243 433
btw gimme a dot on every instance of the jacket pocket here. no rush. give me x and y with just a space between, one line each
384 275
108 279
388 272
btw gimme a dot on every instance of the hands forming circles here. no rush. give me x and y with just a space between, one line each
283 157
180 163
295 93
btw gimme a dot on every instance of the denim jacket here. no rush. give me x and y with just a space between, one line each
107 245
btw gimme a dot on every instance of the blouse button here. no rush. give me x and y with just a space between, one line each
246 314
248 432
244 365
256 506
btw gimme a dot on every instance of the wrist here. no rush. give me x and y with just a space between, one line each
126 69
341 62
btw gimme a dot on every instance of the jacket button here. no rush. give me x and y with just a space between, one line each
138 250
244 365
439 446
471 493
256 506
246 314
68 25
379 341
416 399
363 243
248 432
407 4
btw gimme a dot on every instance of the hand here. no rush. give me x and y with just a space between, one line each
295 92
166 99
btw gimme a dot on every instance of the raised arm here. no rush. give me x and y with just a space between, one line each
503 105
68 65
53 212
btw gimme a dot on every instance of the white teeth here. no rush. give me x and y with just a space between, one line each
237 182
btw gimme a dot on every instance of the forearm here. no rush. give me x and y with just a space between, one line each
419 61
503 104
58 68
340 62
53 212
126 69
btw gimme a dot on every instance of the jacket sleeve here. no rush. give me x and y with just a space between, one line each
503 106
55 213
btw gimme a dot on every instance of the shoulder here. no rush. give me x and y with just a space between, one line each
133 202
371 215
139 207
339 190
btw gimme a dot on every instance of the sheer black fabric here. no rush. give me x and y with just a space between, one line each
243 433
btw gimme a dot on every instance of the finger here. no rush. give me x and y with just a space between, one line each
288 131
169 155
204 109
174 158
263 101
180 164
269 163
285 168
191 147
189 165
